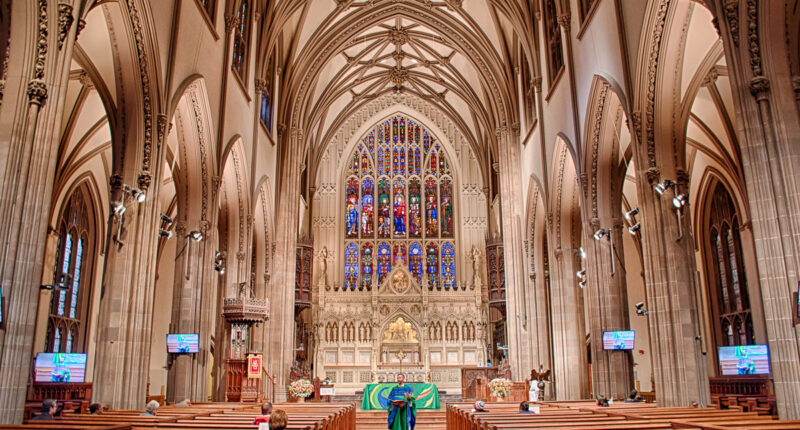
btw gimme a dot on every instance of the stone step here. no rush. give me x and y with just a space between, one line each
426 420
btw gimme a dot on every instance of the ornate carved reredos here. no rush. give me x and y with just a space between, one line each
400 283
400 331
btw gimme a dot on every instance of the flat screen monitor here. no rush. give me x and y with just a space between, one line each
60 367
618 340
744 360
183 343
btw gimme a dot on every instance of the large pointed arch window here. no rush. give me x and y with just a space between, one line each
399 208
66 327
725 268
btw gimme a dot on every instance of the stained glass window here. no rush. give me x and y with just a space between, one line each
399 208
241 38
71 275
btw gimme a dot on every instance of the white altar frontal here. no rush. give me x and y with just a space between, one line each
371 336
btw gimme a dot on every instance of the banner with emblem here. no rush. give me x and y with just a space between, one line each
254 366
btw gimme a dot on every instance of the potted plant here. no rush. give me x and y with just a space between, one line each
499 389
300 389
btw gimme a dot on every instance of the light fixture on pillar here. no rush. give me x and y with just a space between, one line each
607 233
680 201
135 193
582 252
167 234
631 213
640 310
62 283
195 235
219 262
600 233
582 284
663 186
581 274
635 228
166 220
117 208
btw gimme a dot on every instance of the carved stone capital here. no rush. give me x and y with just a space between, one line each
144 180
653 175
230 23
37 92
537 83
682 177
564 21
711 78
161 123
115 182
759 88
261 85
594 223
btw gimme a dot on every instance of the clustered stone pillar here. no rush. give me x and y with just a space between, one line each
511 205
29 132
679 366
606 299
281 327
194 294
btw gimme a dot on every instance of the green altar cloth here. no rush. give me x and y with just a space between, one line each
375 395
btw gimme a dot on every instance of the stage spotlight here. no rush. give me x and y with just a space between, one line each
166 220
138 195
663 186
117 208
165 233
680 201
582 283
631 213
634 228
640 310
599 234
581 273
219 262
583 253
196 235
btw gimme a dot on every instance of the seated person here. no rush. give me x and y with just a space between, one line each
48 410
184 402
634 397
278 420
151 409
95 409
524 408
480 407
602 402
266 411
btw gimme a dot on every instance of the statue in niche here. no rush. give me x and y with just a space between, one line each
324 256
475 255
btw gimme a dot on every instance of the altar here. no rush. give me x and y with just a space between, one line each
376 395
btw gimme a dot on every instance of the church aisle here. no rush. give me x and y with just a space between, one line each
426 420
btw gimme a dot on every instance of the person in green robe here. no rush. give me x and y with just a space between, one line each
402 410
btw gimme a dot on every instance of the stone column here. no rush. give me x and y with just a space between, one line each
570 367
679 366
29 132
768 124
607 306
280 343
511 224
194 298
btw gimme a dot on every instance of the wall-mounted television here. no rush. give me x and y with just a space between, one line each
744 360
618 340
183 343
60 367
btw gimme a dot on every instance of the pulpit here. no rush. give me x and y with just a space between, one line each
242 313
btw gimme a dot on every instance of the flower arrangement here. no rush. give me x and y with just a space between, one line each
301 388
500 387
